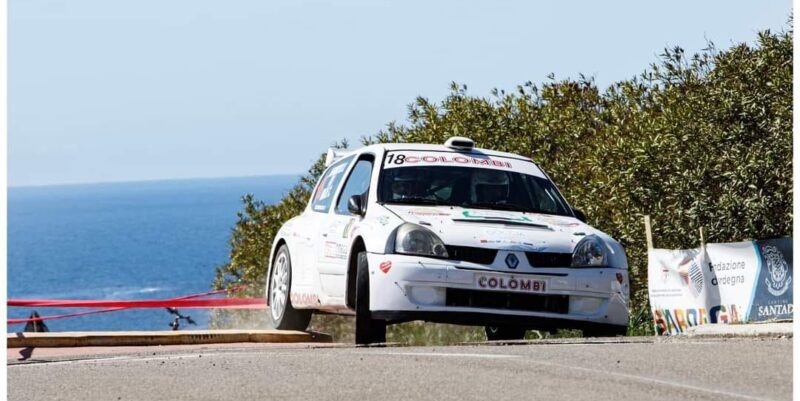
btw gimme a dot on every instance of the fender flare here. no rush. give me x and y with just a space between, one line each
273 253
357 246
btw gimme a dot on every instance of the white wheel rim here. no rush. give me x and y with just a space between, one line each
279 292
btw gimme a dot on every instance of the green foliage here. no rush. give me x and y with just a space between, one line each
692 141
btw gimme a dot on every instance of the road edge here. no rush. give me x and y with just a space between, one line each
782 329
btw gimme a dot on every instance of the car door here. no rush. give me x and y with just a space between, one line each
308 228
338 234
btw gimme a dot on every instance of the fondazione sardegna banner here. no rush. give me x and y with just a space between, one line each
720 283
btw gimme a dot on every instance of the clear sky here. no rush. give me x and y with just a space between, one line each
119 90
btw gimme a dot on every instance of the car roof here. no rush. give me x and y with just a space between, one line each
390 147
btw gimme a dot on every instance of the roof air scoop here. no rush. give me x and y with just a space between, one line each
331 156
460 143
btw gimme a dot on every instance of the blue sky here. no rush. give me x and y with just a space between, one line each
152 89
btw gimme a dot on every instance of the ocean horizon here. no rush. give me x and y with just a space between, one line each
153 239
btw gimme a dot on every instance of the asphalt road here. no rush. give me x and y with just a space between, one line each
633 369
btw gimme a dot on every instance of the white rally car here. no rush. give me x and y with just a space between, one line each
445 233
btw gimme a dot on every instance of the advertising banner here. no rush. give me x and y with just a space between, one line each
720 283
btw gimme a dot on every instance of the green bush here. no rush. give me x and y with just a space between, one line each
692 141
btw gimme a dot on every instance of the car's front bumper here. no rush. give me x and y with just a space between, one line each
408 288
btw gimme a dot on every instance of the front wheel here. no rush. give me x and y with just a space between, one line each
368 330
282 315
504 333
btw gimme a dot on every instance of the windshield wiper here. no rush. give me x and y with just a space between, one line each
420 201
498 206
505 206
504 221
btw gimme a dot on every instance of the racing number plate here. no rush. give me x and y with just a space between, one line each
510 283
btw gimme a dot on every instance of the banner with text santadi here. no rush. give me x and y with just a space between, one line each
721 283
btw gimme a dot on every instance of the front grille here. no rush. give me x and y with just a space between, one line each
549 259
508 301
470 254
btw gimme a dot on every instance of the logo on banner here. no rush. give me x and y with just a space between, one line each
778 279
691 275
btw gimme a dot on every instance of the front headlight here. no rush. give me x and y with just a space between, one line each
590 251
414 239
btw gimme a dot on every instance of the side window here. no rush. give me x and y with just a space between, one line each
357 183
323 195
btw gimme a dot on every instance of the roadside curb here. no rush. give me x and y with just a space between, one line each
143 338
742 330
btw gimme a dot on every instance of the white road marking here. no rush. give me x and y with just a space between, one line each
120 358
646 379
443 354
643 379
141 358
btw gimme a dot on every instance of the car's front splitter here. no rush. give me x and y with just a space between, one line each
494 319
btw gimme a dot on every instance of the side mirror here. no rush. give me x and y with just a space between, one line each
355 205
579 215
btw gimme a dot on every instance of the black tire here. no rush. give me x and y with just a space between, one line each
288 318
605 332
368 330
505 333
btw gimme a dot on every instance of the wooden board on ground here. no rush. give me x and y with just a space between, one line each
141 338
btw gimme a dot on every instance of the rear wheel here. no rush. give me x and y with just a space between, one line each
499 333
282 315
368 330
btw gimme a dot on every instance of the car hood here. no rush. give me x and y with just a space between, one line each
497 229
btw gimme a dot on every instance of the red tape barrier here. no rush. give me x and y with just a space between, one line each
180 302
224 303
51 317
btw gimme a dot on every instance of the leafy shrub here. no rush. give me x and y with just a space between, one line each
693 141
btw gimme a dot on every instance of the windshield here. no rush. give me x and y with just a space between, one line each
470 187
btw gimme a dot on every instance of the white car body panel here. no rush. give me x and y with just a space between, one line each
320 245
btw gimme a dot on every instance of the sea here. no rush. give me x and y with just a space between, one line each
124 241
